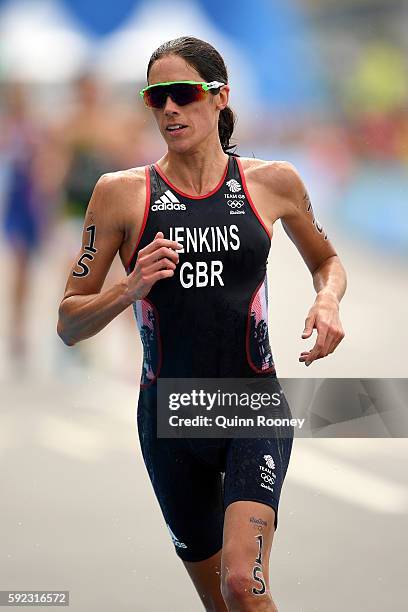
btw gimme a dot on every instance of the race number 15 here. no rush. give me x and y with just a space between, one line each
88 255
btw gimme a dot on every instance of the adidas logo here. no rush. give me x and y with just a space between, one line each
168 201
176 542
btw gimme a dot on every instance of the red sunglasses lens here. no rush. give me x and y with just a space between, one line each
180 93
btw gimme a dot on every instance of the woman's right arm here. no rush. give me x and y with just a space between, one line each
84 310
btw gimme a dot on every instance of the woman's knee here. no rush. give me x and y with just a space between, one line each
243 591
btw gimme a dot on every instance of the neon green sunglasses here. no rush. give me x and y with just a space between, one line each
181 92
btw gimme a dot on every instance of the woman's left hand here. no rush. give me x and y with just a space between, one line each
324 316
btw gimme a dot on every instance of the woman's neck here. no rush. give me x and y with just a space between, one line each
194 172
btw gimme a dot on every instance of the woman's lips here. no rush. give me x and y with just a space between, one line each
175 128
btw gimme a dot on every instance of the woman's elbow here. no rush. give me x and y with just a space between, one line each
62 329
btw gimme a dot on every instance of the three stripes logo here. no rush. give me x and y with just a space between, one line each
168 201
176 542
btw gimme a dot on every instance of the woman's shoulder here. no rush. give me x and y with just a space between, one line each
267 166
122 180
280 176
120 193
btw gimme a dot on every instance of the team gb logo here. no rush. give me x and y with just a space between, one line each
269 461
233 185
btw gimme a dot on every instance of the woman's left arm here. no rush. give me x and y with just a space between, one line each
329 276
329 280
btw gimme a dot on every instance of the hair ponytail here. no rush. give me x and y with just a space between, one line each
226 123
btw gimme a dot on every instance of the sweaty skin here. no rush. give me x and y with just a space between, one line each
116 212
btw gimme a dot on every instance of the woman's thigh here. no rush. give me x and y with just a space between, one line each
189 492
248 536
254 475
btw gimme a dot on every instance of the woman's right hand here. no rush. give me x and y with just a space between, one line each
155 261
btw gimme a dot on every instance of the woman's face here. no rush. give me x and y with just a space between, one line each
199 118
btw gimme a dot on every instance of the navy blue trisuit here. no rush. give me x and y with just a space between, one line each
209 320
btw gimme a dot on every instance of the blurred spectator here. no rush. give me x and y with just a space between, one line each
89 144
91 138
23 218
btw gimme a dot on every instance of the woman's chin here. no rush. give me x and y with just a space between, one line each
179 147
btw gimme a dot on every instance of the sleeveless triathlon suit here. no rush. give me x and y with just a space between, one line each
209 320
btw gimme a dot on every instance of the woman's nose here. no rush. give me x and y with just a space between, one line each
170 106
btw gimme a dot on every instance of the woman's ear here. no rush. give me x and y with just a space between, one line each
223 97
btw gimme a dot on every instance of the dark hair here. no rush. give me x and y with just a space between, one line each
209 64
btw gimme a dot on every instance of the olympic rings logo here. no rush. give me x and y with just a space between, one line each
267 478
236 204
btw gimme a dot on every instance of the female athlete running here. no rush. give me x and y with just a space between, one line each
193 231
